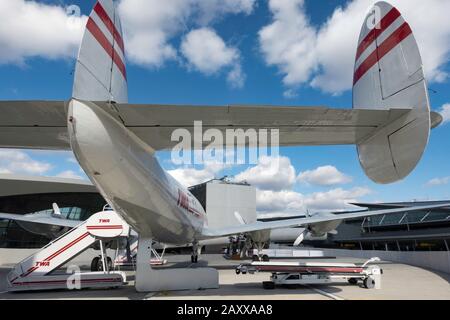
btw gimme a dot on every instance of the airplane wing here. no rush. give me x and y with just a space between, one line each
262 226
43 124
40 220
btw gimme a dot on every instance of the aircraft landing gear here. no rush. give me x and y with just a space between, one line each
97 264
195 252
260 256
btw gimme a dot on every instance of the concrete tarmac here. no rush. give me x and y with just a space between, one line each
399 282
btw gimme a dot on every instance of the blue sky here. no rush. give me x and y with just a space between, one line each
177 80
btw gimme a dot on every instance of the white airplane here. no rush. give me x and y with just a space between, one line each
115 142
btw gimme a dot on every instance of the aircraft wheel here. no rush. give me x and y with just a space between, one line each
95 264
268 285
369 283
109 263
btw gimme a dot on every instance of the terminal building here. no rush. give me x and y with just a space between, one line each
78 200
414 231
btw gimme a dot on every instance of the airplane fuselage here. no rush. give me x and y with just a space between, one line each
128 174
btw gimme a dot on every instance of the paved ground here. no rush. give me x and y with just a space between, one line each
398 282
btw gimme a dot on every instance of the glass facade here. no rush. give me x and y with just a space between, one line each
427 230
73 206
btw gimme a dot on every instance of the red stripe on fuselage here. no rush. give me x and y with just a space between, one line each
387 20
390 43
101 12
103 41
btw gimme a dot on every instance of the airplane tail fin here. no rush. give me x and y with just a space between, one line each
100 73
389 74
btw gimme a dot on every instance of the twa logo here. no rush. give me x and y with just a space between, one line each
104 220
43 264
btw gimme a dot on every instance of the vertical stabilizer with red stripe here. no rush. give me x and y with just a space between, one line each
389 74
100 73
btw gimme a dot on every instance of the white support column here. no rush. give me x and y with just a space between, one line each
151 280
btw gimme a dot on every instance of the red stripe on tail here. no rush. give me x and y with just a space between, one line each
110 25
390 43
103 41
387 20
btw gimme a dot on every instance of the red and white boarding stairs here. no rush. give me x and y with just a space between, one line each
37 271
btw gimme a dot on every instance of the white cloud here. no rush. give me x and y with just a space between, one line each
291 202
18 162
324 176
289 41
69 174
336 199
270 174
211 10
323 56
206 52
30 29
190 176
445 112
438 182
150 25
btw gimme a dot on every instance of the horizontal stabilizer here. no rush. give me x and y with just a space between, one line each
43 124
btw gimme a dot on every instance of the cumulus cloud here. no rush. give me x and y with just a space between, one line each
211 10
150 25
30 29
271 173
291 202
445 112
324 176
18 162
190 176
438 182
323 56
206 52
289 40
69 174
